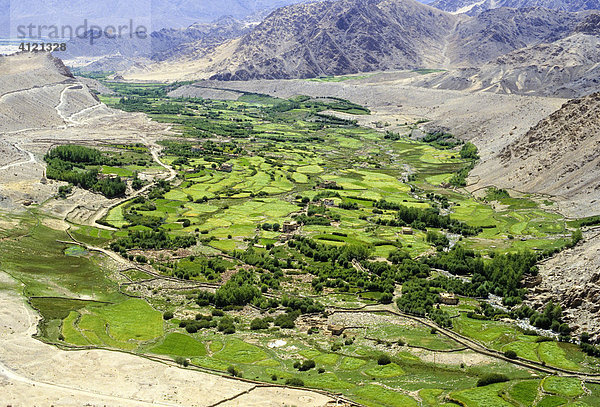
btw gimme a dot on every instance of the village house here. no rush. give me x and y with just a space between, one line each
336 330
448 299
290 226
329 185
328 202
226 167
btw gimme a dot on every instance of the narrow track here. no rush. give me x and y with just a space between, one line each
478 347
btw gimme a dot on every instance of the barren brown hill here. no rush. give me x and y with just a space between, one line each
572 278
37 90
559 156
340 37
473 7
569 67
352 36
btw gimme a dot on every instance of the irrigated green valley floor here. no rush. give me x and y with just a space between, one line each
298 248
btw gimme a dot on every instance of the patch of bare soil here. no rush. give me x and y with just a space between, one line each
466 358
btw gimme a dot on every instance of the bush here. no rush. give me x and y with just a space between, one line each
294 381
307 365
259 323
232 370
168 315
287 321
384 360
226 325
511 354
386 298
492 378
182 361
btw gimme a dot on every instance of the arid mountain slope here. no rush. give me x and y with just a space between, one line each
339 37
572 278
154 14
351 36
37 90
559 156
473 7
567 68
497 32
119 54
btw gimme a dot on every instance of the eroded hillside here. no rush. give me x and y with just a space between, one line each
559 156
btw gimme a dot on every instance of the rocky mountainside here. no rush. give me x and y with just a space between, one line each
559 156
568 67
346 36
168 43
158 45
351 36
118 54
497 32
474 7
572 278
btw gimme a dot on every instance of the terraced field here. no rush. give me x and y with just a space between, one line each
279 249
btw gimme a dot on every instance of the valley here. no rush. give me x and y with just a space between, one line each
315 248
321 203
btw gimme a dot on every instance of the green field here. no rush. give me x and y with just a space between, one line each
291 213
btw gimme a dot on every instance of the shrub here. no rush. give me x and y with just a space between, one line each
182 361
259 323
287 320
232 370
168 315
226 325
383 360
511 354
307 365
321 370
491 378
294 381
386 298
585 337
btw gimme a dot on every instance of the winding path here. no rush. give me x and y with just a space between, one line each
30 160
154 151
